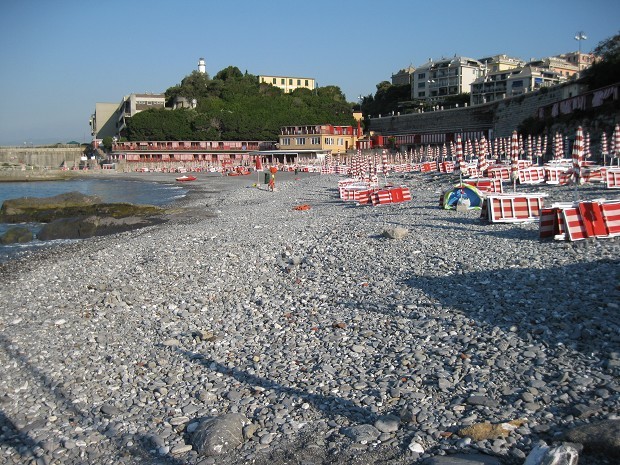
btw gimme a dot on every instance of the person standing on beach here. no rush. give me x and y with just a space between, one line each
272 180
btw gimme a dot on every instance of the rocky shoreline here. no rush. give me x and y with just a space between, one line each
319 340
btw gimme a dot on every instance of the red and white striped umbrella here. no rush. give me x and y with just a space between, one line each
483 164
459 152
384 162
539 151
469 150
577 155
586 146
544 147
558 147
604 146
615 141
514 155
530 150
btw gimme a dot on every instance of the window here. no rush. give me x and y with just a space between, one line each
286 141
422 76
301 141
282 81
517 84
298 82
329 141
421 85
274 80
421 94
306 83
290 82
315 140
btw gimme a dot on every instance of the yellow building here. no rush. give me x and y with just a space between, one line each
288 83
324 137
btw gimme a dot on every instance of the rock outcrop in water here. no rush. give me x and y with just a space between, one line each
69 205
76 216
16 235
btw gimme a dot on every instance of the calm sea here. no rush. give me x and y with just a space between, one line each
109 190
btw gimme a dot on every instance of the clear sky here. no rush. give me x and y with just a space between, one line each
59 57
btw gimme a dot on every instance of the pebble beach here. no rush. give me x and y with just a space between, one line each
329 342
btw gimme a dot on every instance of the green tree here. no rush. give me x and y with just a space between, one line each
106 142
235 106
387 99
605 71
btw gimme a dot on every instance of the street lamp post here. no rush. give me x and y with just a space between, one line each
579 37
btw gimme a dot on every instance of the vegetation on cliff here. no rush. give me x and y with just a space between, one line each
235 106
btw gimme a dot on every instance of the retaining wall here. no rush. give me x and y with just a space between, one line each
50 157
502 117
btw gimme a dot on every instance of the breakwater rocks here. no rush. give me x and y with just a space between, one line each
74 216
256 333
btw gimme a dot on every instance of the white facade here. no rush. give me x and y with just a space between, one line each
202 67
509 83
436 80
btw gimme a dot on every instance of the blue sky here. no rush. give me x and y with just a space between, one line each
58 58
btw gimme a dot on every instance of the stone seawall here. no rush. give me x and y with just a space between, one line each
41 157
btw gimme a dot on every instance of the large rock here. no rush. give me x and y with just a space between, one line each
16 235
84 227
69 205
601 437
397 232
564 454
219 435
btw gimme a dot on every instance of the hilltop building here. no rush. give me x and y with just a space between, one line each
288 83
580 60
403 76
499 85
497 63
436 80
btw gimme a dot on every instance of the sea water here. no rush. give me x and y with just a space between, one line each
109 190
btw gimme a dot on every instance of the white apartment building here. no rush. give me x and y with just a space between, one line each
436 80
499 85
288 83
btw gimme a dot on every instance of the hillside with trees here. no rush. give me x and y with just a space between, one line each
235 106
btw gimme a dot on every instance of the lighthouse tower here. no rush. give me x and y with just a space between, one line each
202 67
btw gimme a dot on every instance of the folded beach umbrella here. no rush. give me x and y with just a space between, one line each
514 158
483 164
604 146
615 141
530 150
577 155
586 146
558 149
539 150
459 152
